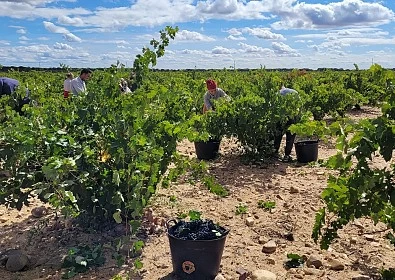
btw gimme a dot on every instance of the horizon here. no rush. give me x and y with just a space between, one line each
213 34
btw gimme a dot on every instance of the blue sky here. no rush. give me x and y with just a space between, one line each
213 33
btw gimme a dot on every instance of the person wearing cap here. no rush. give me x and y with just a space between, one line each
283 129
213 92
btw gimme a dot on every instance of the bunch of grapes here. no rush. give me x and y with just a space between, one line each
197 230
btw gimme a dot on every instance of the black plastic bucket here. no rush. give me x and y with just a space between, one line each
196 259
306 151
207 150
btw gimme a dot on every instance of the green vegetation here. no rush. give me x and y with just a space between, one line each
241 209
102 155
81 259
267 205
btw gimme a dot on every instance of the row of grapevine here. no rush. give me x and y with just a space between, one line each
103 154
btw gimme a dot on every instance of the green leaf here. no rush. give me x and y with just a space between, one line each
194 215
81 260
138 245
117 216
116 178
318 224
70 196
138 264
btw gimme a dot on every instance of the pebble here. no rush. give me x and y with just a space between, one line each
263 275
294 190
262 240
250 221
369 237
17 261
335 265
39 212
269 247
219 277
353 240
360 277
314 260
313 271
243 274
358 225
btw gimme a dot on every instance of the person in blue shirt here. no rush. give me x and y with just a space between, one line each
9 86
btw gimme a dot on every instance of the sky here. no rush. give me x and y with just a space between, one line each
213 34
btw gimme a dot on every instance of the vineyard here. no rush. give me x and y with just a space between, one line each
111 168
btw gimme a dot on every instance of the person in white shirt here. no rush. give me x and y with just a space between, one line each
78 84
67 84
123 86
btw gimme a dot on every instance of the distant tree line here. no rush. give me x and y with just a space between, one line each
60 69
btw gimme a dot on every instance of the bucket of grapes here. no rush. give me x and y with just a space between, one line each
196 248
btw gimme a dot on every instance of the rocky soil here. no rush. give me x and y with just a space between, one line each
33 242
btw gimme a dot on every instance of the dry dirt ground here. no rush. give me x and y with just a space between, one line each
361 248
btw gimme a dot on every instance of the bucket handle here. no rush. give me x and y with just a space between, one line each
168 222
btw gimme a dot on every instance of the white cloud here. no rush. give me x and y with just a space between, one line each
236 38
61 46
21 31
15 26
71 37
22 9
255 49
66 20
284 50
291 13
3 42
243 43
61 30
345 13
258 32
185 35
219 6
54 28
198 52
222 50
263 33
23 38
235 32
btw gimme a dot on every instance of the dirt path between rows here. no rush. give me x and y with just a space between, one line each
295 188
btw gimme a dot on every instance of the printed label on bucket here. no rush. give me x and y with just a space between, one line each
188 267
